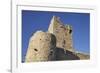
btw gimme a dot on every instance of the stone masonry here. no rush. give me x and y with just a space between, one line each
55 44
63 34
41 47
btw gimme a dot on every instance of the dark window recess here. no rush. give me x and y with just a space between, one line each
35 49
40 39
70 31
51 52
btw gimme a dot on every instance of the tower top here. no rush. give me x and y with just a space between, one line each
62 32
54 22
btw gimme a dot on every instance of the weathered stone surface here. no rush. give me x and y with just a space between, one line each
83 56
53 45
63 34
41 47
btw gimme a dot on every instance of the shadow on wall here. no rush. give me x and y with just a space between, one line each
65 55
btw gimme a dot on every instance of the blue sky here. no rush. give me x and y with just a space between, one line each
40 20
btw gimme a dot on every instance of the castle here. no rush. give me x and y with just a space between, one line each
62 33
55 44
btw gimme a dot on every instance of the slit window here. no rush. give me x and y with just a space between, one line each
70 31
35 49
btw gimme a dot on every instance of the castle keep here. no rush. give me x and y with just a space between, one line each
63 34
55 44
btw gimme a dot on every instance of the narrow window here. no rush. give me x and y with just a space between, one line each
51 52
35 49
70 31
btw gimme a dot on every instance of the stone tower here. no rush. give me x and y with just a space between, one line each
63 34
41 47
55 44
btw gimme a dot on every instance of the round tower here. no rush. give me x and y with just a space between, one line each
41 47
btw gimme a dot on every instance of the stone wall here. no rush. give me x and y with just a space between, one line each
53 45
41 47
